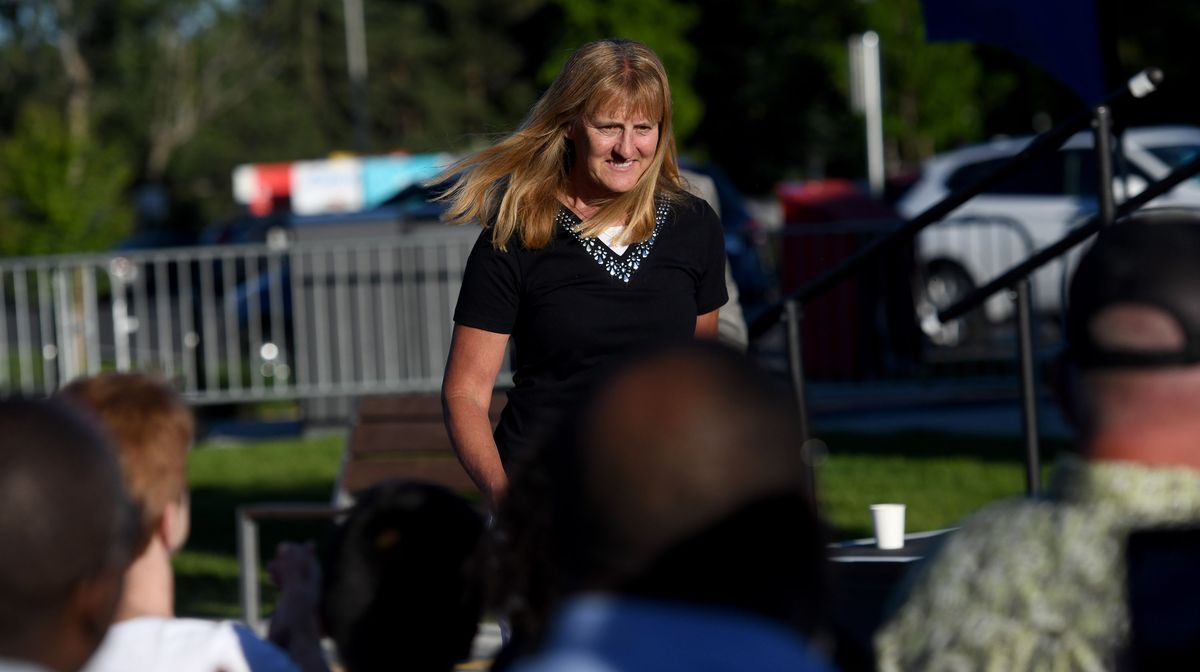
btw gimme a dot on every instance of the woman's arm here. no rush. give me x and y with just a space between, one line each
706 325
474 362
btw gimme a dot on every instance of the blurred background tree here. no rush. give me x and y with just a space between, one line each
928 105
61 186
100 98
60 193
663 25
442 76
773 106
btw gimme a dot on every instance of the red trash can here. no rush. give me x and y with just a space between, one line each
855 328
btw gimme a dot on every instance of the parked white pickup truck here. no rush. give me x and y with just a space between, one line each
997 229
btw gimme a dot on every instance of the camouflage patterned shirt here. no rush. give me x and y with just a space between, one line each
1037 584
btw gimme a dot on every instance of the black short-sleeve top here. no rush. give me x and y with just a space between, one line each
574 307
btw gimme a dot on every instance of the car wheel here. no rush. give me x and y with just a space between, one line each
941 285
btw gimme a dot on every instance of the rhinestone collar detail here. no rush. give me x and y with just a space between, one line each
621 267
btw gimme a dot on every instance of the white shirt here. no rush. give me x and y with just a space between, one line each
610 234
155 644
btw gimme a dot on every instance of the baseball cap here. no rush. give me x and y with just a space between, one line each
1150 259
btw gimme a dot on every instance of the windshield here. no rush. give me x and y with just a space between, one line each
1175 155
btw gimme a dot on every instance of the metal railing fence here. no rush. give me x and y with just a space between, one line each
307 319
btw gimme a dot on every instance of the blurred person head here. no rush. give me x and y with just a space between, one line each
402 587
66 527
685 481
151 429
1133 339
601 134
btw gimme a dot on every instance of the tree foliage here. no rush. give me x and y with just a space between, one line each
773 107
58 193
190 88
663 25
928 106
442 76
178 92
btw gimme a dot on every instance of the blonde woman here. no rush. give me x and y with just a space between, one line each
591 249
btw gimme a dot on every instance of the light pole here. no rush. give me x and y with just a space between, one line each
356 64
866 96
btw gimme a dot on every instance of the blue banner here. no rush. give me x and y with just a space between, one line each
1060 36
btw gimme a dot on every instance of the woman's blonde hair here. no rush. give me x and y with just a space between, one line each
514 185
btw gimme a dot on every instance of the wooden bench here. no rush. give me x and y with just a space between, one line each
400 436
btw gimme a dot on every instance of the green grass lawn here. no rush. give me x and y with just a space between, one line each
940 477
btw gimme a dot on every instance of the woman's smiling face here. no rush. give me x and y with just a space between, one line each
613 148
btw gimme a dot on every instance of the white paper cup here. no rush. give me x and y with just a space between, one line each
889 525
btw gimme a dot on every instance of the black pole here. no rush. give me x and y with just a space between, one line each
794 317
1102 128
1033 478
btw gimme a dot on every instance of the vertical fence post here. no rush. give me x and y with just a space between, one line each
247 548
118 272
65 330
1029 425
794 316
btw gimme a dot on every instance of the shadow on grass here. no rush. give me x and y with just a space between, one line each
206 571
214 524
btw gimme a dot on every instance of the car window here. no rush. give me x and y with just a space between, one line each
1043 176
1176 155
1081 172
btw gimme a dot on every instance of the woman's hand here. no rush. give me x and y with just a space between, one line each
475 359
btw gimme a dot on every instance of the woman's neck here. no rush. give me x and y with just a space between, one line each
582 197
583 208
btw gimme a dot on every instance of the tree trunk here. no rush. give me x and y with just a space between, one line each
79 84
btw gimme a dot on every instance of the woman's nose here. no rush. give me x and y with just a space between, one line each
625 145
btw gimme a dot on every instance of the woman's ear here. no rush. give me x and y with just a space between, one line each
574 131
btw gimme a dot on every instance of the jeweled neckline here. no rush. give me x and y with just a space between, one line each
620 266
